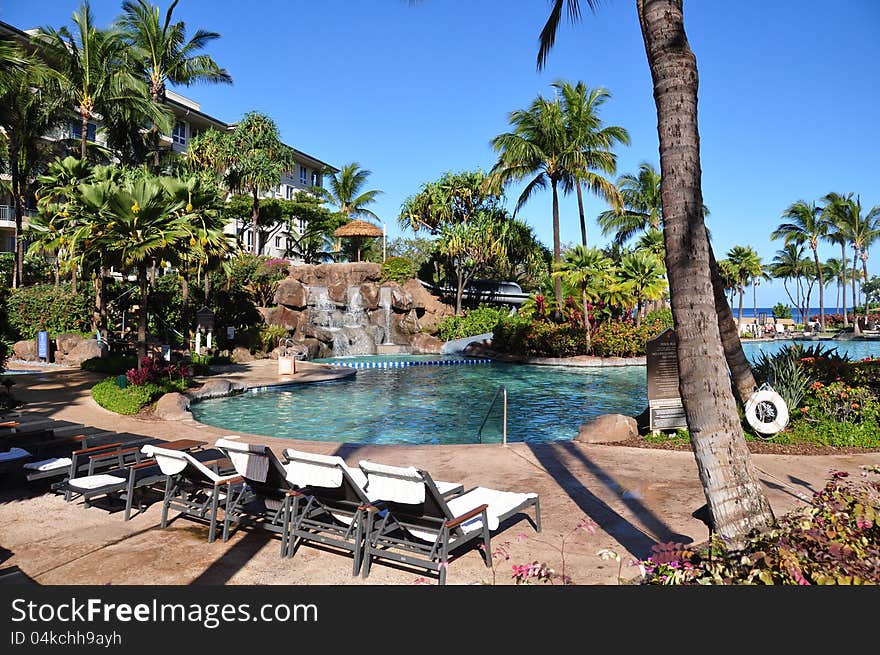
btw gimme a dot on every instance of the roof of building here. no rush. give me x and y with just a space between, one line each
358 228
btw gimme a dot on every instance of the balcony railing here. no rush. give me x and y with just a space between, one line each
7 213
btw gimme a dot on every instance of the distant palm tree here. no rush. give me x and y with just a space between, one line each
587 134
589 271
347 192
835 212
746 265
162 53
645 275
788 264
806 225
834 272
542 149
92 70
642 205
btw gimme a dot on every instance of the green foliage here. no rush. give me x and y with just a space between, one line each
781 310
481 320
47 307
113 365
416 249
132 398
661 319
200 364
624 338
785 372
680 438
521 336
833 540
271 334
397 269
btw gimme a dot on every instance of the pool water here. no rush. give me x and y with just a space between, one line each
432 404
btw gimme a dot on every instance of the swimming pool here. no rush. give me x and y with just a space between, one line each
432 404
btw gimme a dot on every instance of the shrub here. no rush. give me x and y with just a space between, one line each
786 374
833 540
153 371
131 399
114 364
50 308
397 269
270 335
781 310
659 319
481 320
200 364
624 339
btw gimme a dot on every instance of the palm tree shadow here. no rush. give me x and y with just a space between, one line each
628 535
234 559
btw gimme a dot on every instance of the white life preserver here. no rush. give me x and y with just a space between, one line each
760 419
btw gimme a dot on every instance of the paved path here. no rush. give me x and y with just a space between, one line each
636 496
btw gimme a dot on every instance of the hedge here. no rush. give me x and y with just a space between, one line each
47 307
131 398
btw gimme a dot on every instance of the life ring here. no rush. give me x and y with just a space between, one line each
767 412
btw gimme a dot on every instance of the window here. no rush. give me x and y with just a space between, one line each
76 130
277 242
250 238
302 226
303 175
291 191
178 135
316 179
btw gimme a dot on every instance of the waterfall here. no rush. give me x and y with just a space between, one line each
322 310
385 304
354 315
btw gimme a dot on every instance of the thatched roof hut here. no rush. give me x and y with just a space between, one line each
358 230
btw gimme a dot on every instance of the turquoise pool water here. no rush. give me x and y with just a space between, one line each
425 404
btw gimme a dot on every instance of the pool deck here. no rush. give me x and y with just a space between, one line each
637 497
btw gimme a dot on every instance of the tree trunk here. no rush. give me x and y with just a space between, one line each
821 290
842 283
184 307
740 368
459 288
84 115
18 208
865 271
98 311
142 313
730 482
255 217
742 292
557 252
580 198
855 302
73 278
207 289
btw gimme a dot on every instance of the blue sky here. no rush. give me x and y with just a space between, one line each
789 94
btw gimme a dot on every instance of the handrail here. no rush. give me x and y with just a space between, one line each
502 389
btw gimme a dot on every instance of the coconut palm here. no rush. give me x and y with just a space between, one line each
746 265
347 194
806 225
864 231
589 271
835 213
641 209
91 67
541 148
163 54
788 264
594 141
833 272
644 273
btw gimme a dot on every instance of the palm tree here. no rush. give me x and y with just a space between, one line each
347 193
164 55
746 265
806 225
589 271
864 231
30 108
835 212
258 159
834 272
735 499
540 147
92 70
641 209
580 106
644 273
788 264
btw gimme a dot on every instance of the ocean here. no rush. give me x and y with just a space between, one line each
748 312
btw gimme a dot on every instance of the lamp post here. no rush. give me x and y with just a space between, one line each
384 240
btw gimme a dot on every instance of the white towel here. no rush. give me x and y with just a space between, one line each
309 470
172 462
49 464
95 481
14 453
393 483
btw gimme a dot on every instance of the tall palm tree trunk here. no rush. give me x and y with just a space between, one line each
580 199
557 250
855 303
736 501
459 288
18 204
184 306
742 292
84 126
865 271
842 283
755 305
255 216
740 369
821 290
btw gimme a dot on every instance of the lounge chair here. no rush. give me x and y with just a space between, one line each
130 482
191 487
416 525
331 507
268 499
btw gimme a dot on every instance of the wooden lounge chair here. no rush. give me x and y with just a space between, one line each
268 498
192 488
415 525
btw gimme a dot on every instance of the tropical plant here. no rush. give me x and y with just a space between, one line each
781 310
746 265
806 225
735 499
346 192
641 208
162 54
594 141
785 373
589 271
644 274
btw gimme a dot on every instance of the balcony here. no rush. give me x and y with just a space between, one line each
7 216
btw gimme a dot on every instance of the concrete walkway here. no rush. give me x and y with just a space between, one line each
636 497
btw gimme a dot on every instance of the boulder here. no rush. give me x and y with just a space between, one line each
338 292
282 316
370 295
87 349
291 293
242 354
26 350
608 428
173 407
216 388
316 349
426 344
401 300
67 343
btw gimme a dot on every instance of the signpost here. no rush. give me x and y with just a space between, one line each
43 345
664 402
204 323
